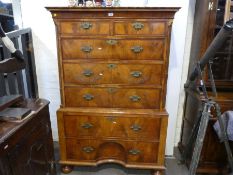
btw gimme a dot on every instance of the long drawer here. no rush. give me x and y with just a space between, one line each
126 151
113 73
112 97
137 49
112 126
117 27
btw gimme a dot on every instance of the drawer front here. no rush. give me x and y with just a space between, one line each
126 151
86 73
100 73
87 97
112 97
138 74
139 27
151 49
142 152
85 49
137 98
85 27
112 126
81 150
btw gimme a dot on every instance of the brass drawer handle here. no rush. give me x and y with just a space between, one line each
137 49
87 125
136 74
88 149
135 98
86 25
111 42
87 73
134 151
88 97
136 127
138 26
112 66
87 49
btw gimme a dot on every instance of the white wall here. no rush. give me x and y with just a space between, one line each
186 57
34 15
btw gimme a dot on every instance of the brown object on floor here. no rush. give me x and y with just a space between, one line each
113 72
27 147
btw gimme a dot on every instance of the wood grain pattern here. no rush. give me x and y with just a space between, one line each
127 126
113 70
126 151
152 49
145 27
101 73
85 27
106 97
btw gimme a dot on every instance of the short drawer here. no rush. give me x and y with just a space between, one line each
112 97
140 27
96 150
112 126
131 49
113 73
85 27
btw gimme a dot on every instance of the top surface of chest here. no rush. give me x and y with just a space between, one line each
113 12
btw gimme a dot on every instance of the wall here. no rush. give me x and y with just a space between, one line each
187 49
34 15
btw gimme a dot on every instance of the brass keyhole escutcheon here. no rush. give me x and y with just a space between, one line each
111 42
112 66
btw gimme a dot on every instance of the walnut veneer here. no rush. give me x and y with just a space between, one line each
113 71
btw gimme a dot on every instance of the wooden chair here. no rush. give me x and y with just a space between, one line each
22 82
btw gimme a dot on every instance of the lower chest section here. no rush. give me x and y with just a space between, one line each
131 138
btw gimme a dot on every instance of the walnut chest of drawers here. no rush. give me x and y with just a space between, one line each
113 65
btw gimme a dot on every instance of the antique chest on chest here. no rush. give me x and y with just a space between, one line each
113 65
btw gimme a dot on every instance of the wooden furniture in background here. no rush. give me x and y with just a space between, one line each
22 82
209 18
26 148
113 72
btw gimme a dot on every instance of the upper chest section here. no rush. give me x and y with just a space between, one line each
112 21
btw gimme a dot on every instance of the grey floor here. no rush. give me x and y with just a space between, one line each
172 165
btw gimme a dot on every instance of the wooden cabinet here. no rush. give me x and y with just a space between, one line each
209 18
113 70
26 148
223 59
